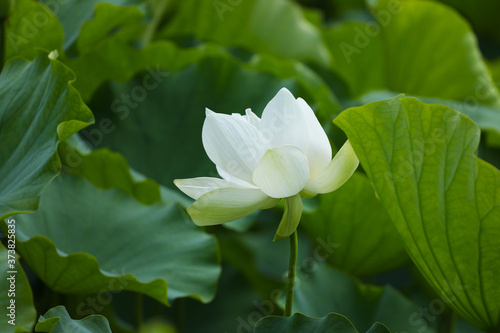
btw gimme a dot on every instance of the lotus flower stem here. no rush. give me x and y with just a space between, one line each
291 273
138 310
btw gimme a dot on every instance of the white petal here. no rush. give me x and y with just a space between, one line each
291 217
282 120
282 172
233 144
196 187
319 151
226 204
287 121
237 115
224 174
252 118
338 171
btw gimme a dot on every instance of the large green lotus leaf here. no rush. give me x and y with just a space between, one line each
31 25
326 290
353 66
276 27
107 169
97 42
401 66
443 200
299 323
93 44
85 239
23 308
58 320
442 61
174 111
158 57
482 15
348 215
73 14
40 107
109 32
112 31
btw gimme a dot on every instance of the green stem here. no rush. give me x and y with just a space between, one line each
448 321
292 264
138 310
180 314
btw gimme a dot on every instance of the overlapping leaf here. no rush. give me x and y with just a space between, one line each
58 320
107 169
86 240
442 61
31 25
72 23
443 200
40 107
275 27
324 290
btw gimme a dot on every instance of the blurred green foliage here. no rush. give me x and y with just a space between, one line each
91 142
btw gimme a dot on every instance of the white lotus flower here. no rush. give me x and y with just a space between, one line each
283 155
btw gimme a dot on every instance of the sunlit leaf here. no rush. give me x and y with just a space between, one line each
443 200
